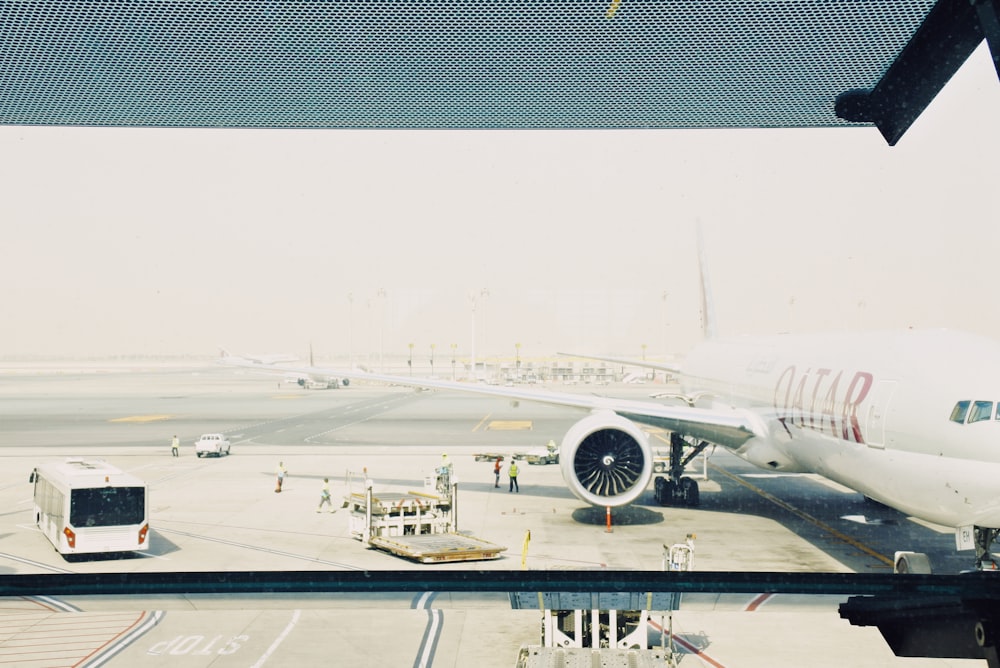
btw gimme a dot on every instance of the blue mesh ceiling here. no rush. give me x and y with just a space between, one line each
454 64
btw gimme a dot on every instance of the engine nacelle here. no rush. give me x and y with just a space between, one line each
606 460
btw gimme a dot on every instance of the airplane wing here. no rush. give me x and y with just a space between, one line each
669 368
727 427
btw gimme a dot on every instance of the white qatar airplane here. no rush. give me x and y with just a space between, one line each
908 418
275 361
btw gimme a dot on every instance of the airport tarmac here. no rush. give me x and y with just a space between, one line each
223 515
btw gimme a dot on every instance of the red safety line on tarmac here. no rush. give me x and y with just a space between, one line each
757 602
689 647
30 599
113 640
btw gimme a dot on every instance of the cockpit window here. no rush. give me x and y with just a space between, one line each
981 410
959 412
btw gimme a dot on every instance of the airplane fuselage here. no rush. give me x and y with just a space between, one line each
879 412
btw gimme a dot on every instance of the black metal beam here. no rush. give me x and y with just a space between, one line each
984 586
989 21
944 41
941 627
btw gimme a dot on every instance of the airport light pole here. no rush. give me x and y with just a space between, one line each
369 329
409 361
381 329
517 361
453 347
474 297
350 330
666 338
432 360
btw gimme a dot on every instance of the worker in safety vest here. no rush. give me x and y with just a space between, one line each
444 472
512 472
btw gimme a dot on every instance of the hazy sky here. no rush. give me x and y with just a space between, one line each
175 241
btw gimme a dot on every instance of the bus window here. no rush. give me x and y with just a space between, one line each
959 412
107 506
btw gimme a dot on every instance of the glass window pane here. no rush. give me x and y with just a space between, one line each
107 506
981 410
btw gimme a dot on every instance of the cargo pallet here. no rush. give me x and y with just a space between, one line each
415 525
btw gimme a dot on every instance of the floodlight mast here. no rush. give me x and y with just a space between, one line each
474 298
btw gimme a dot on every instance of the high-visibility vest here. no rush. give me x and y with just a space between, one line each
513 470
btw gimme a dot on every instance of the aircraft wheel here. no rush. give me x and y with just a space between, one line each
690 494
660 491
911 562
669 492
984 634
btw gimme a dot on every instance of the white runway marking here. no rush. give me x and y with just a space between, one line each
278 640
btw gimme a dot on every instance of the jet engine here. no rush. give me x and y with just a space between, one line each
606 460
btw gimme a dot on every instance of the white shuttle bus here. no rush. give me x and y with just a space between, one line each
86 506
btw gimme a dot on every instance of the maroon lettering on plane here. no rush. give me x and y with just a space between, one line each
790 374
798 410
829 410
850 426
830 405
820 375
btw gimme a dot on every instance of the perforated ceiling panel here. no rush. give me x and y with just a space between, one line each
460 63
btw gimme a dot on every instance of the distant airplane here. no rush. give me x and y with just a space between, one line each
227 357
306 379
908 418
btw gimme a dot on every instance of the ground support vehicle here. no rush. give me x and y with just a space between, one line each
87 506
211 444
414 525
609 629
543 455
546 455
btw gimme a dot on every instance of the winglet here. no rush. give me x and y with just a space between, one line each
707 303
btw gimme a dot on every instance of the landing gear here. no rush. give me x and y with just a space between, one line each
984 540
678 489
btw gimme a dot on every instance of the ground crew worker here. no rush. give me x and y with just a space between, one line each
512 472
324 496
282 472
174 444
496 470
444 475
